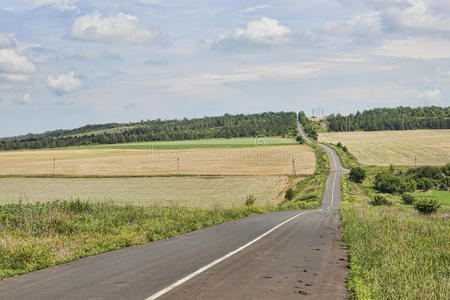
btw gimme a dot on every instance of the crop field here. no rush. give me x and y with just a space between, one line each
275 160
404 148
205 143
193 191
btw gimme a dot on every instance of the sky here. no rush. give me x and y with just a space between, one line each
67 63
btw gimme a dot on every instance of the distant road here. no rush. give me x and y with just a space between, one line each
280 255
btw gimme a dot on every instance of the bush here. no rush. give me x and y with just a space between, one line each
345 149
289 194
299 139
427 205
388 182
425 184
251 199
339 145
357 174
380 200
408 199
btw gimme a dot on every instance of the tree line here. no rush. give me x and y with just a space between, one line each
226 126
400 118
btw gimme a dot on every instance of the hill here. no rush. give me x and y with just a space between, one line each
226 126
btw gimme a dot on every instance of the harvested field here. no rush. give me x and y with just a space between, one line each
276 160
405 148
194 191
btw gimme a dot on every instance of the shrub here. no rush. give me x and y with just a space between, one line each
339 145
289 194
408 199
427 205
357 174
345 148
299 139
388 182
380 200
251 199
425 184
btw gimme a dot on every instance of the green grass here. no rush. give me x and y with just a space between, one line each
308 193
395 253
36 236
443 197
205 143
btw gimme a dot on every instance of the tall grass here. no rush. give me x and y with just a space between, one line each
35 236
395 253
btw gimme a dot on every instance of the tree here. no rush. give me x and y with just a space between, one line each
299 139
357 174
289 194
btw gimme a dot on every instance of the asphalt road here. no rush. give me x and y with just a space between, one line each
282 255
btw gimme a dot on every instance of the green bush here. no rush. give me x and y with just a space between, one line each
425 184
345 148
427 205
408 199
388 182
357 174
380 200
299 139
339 145
289 194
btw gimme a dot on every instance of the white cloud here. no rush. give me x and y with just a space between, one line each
197 84
255 8
431 96
64 83
264 31
59 4
6 41
366 24
118 28
418 48
416 15
26 98
14 67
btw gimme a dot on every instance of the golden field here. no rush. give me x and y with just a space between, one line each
426 147
274 160
193 191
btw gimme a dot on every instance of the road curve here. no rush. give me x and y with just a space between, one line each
301 257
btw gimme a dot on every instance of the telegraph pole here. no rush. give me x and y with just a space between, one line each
293 167
54 165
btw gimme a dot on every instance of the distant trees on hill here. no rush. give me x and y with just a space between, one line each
400 118
227 126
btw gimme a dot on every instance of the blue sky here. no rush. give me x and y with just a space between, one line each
66 63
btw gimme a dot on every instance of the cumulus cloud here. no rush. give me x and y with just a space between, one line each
415 15
14 67
117 28
417 48
64 83
265 31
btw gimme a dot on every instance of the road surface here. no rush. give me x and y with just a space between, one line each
281 255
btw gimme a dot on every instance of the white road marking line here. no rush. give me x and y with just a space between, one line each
332 191
203 269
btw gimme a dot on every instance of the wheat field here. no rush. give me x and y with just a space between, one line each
274 160
194 191
406 148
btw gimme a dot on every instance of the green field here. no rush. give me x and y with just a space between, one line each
206 143
443 197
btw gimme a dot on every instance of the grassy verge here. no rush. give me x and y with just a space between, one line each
36 236
395 253
308 193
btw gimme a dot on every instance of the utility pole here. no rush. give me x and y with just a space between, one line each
415 161
178 164
293 167
54 165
